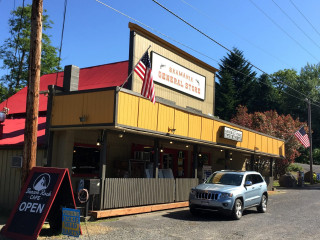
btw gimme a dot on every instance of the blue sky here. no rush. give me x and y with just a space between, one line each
95 34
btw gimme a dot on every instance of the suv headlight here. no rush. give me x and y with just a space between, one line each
225 195
193 191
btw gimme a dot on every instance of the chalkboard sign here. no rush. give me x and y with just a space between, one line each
45 191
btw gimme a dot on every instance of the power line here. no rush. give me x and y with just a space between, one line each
196 51
305 18
235 33
305 96
275 23
296 24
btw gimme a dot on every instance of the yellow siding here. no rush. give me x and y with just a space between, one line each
128 109
148 113
181 122
133 111
67 109
281 150
264 144
165 118
270 146
258 143
252 140
207 129
275 147
245 139
194 126
99 107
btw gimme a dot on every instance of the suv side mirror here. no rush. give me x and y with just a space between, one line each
248 183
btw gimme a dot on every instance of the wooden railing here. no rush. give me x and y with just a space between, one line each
129 192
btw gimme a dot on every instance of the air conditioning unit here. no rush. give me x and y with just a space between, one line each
16 162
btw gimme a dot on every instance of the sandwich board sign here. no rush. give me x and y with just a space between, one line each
42 197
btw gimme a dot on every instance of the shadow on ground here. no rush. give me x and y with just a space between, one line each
208 215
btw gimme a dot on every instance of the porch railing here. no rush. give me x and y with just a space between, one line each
129 192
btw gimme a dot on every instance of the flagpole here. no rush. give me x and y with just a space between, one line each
134 68
310 139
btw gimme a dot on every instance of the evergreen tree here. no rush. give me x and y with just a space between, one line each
236 73
15 50
265 97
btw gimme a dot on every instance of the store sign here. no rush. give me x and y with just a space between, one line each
36 201
71 222
175 76
232 134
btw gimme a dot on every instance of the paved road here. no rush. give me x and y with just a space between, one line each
294 214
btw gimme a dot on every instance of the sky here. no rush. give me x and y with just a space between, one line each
95 34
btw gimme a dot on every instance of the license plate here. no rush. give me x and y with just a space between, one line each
204 202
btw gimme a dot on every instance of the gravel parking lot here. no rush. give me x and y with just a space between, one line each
292 214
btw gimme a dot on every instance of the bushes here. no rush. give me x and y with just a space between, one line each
294 168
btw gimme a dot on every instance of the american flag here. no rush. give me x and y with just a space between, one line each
144 71
303 137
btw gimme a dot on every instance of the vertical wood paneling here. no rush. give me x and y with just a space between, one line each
270 146
281 148
251 140
264 144
148 113
194 126
258 142
128 192
67 109
275 146
99 107
206 129
165 118
245 139
183 187
10 178
128 106
181 122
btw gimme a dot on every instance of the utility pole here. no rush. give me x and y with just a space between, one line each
310 139
32 108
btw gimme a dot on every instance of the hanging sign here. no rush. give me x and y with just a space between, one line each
232 134
43 194
178 77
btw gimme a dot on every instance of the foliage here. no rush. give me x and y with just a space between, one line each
271 123
16 49
294 168
235 85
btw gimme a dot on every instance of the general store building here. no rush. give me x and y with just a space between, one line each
95 123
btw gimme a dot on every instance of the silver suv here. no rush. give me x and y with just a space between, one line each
231 192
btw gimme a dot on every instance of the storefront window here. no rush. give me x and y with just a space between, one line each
85 161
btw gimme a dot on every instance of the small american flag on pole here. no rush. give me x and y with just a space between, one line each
303 137
144 71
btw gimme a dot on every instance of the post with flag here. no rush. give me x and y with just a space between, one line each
144 71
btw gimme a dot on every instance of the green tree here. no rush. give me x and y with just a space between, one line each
236 74
15 50
265 96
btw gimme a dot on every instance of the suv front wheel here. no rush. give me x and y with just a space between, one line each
237 209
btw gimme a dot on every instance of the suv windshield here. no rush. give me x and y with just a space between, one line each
225 179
